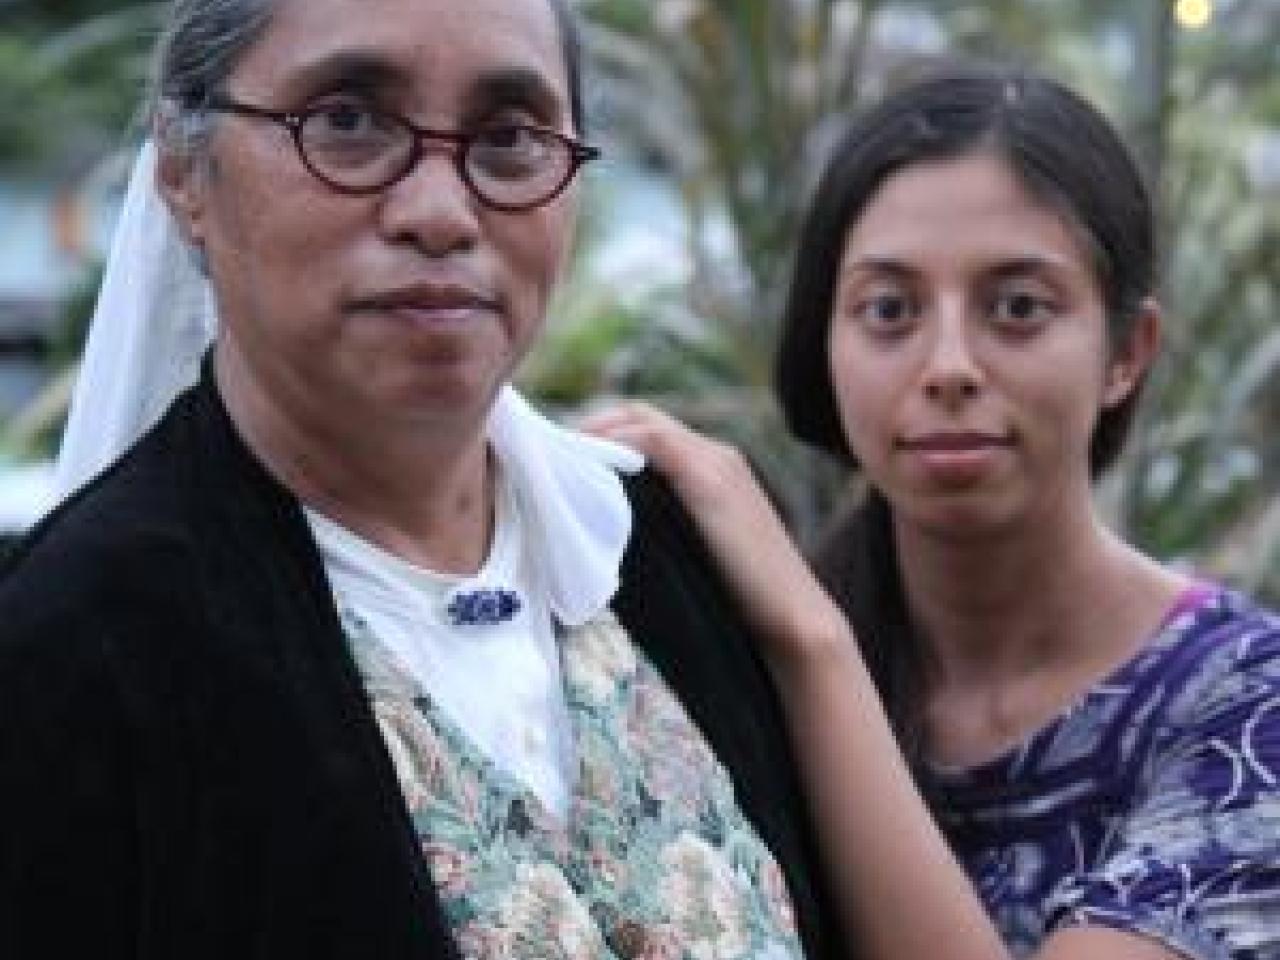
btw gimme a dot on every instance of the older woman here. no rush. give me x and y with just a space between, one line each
335 660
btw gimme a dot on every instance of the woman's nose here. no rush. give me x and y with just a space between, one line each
432 207
951 374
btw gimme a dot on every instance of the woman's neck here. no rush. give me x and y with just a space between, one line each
425 495
1018 625
997 598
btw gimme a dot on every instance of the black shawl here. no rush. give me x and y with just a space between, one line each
189 767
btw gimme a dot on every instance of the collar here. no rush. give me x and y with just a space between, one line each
569 493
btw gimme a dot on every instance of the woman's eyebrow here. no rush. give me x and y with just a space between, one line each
1029 266
875 265
363 70
514 87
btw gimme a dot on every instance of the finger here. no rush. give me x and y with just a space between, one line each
637 422
656 444
627 412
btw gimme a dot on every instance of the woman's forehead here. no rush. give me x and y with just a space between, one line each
973 204
442 47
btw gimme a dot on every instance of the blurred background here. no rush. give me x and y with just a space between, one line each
715 116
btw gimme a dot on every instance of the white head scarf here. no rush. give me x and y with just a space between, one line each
154 319
152 323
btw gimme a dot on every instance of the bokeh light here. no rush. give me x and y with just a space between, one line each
1193 14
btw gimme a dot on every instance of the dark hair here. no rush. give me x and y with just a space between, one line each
203 40
571 43
1065 154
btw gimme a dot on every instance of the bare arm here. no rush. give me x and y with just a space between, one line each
902 892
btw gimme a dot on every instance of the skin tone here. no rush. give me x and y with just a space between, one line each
970 360
364 338
969 377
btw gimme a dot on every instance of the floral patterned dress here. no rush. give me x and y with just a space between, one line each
654 860
1153 805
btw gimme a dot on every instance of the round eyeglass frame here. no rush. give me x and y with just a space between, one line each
293 121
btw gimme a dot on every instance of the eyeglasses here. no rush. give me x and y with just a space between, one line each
358 149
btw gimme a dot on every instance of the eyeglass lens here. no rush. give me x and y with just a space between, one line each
360 148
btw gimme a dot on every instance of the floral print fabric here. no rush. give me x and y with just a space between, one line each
654 861
1153 805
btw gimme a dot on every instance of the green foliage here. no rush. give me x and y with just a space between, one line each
72 325
71 78
19 143
737 102
1203 481
613 348
571 361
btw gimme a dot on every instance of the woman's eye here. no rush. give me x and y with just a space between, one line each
342 135
513 151
347 118
1021 308
504 137
885 310
511 139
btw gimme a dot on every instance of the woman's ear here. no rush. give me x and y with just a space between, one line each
180 180
1133 357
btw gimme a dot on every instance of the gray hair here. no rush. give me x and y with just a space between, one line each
202 42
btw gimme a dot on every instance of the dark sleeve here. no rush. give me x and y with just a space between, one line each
188 765
68 826
81 604
675 606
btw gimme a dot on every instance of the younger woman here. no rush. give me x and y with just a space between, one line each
1096 736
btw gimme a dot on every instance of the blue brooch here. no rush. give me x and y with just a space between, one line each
483 607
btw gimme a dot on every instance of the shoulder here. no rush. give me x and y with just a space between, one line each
1195 858
134 524
675 605
1227 655
1216 739
134 504
667 566
653 499
660 522
1226 616
107 553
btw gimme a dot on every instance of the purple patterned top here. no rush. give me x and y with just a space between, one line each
1152 805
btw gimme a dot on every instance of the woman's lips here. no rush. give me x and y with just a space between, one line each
955 441
429 304
956 456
